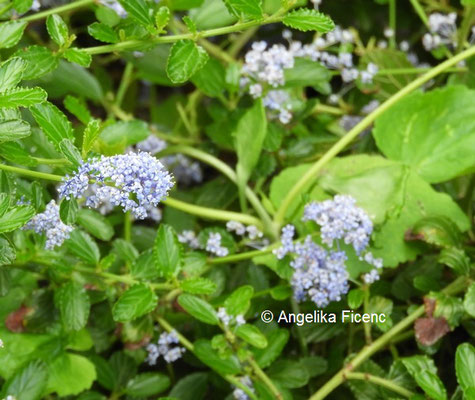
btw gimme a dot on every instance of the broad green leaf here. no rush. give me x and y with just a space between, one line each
464 367
247 8
198 308
91 133
192 387
436 132
39 60
167 252
7 252
70 152
381 305
103 33
78 56
449 307
53 122
249 136
305 19
22 97
289 374
276 339
4 203
198 285
210 78
315 365
239 301
74 306
439 231
95 223
11 33
68 210
469 301
355 298
134 302
28 383
14 129
83 246
70 374
22 6
79 109
125 250
57 29
205 352
423 370
15 218
185 59
455 259
11 72
123 133
252 335
139 10
16 153
306 72
147 384
144 266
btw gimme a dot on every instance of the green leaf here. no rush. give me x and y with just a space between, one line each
7 252
439 231
11 33
11 72
78 56
139 10
306 72
305 20
144 266
162 17
15 218
125 250
191 387
124 133
147 384
22 6
198 285
438 132
249 137
83 246
451 308
464 367
73 303
198 308
91 133
167 252
22 97
239 301
276 339
135 302
469 301
5 281
39 60
455 259
28 383
68 210
95 223
252 335
53 122
289 374
209 356
381 305
423 370
185 59
247 8
70 374
14 129
79 109
355 298
70 152
210 78
103 33
57 29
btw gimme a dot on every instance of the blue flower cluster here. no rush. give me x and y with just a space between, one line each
213 245
165 347
134 181
50 223
319 274
240 394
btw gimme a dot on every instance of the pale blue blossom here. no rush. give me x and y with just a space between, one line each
166 347
213 245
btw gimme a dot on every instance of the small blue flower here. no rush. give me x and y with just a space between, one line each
165 347
213 245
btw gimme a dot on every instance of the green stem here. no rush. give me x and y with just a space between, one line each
212 213
241 41
458 285
264 378
367 326
51 161
392 23
57 10
229 173
124 83
189 346
407 71
242 256
323 108
32 174
467 22
128 226
132 44
312 172
388 384
420 11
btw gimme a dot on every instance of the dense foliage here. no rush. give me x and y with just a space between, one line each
237 199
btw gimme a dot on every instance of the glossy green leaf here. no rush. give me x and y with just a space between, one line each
134 302
147 384
78 56
198 285
14 129
95 223
289 374
83 246
11 72
68 210
15 218
276 339
70 152
247 8
167 251
103 33
469 301
7 252
464 367
74 306
11 33
28 383
185 59
239 301
206 354
139 10
436 135
305 19
455 259
252 335
198 308
355 298
21 97
57 29
162 17
39 60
